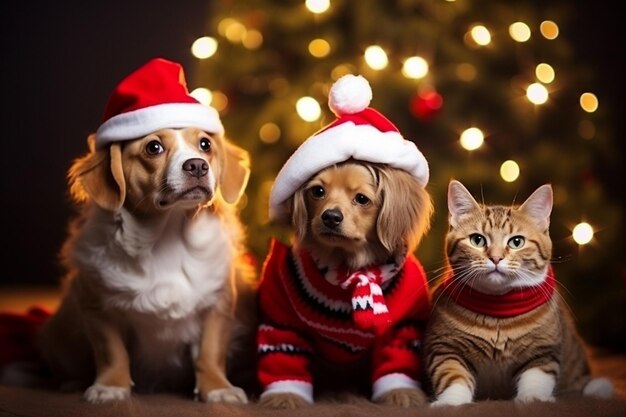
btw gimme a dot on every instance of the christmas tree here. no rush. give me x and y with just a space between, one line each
488 90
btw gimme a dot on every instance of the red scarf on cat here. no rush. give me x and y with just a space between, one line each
510 304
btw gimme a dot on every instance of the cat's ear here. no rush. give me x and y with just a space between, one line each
460 201
539 206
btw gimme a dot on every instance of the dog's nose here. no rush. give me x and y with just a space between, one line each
332 218
196 167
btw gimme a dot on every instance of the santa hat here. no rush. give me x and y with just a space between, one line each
153 97
359 132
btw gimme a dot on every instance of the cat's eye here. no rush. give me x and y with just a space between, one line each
361 199
154 147
477 240
317 191
516 242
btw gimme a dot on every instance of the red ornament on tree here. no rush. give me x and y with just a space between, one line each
426 104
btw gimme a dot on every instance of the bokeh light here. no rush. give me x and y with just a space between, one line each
544 73
319 48
589 102
537 93
269 133
203 95
519 32
204 47
415 67
308 109
509 171
549 29
472 138
317 6
480 34
376 57
582 233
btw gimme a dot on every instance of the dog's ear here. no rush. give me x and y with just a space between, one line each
235 172
99 176
406 211
299 214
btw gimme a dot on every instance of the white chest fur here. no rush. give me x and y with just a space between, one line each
171 268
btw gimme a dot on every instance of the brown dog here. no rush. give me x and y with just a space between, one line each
156 259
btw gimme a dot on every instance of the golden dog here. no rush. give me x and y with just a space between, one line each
155 262
353 215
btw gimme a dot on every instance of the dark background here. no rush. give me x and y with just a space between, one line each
61 60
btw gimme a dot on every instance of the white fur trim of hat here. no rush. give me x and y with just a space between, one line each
359 132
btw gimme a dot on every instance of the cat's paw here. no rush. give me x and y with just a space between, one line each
283 401
99 393
535 385
599 387
455 394
529 398
403 397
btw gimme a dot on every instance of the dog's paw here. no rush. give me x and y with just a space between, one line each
98 393
403 397
284 401
225 395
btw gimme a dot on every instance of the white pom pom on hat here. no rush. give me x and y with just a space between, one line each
350 94
153 97
359 132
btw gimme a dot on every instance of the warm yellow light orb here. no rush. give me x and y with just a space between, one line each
317 6
204 47
235 32
582 233
509 171
219 100
472 138
269 133
466 71
203 95
519 32
549 29
537 93
415 67
589 102
544 73
308 109
376 57
252 39
340 70
480 34
319 48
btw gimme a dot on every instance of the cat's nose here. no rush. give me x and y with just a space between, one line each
332 218
495 259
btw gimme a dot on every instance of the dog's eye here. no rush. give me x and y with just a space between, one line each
154 147
205 144
317 191
361 199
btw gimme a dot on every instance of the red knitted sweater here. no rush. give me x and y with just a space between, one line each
303 314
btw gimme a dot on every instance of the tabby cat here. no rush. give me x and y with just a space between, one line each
499 329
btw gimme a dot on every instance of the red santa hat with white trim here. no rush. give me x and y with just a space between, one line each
154 97
359 132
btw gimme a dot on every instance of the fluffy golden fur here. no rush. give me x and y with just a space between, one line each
384 213
358 214
155 267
